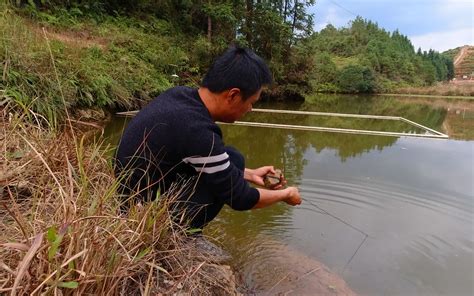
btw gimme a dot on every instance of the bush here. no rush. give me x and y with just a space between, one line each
356 79
327 88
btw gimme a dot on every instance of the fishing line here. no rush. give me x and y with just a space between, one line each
323 211
310 209
347 224
337 218
353 255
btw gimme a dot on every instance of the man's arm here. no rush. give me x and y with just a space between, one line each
248 175
290 195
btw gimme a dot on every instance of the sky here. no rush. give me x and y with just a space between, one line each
429 24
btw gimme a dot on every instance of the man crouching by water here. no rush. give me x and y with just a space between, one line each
175 138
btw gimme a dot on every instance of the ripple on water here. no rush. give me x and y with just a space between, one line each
409 230
374 196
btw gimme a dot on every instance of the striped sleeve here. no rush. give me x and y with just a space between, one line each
208 157
209 164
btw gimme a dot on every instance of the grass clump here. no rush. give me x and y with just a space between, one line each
62 231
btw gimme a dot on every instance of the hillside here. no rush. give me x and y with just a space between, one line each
464 62
366 58
452 53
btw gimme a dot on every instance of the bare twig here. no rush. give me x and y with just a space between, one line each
26 261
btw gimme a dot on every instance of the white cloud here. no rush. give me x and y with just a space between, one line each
454 13
445 40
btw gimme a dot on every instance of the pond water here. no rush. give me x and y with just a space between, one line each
390 215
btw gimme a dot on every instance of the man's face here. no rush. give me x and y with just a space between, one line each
237 107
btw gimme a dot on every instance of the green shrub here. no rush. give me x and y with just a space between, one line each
355 79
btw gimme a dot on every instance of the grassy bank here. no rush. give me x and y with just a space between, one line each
52 61
61 231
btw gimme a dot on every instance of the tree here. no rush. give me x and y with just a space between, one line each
324 71
355 79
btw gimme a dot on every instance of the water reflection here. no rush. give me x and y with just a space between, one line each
413 197
286 148
340 122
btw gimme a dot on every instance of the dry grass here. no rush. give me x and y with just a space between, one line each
61 231
459 88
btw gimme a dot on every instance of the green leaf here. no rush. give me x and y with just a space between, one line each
161 269
149 222
32 3
193 230
53 250
69 285
157 196
51 235
113 259
142 253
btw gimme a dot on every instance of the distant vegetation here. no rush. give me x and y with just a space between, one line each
122 53
366 58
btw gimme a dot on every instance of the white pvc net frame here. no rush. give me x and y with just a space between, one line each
431 133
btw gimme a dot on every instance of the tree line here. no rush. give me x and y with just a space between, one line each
361 57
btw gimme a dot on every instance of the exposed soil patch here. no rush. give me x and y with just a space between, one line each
461 55
81 39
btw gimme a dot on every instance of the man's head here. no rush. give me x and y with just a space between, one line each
237 78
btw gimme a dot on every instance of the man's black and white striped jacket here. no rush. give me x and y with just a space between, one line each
174 138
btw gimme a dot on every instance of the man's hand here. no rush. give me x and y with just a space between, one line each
294 197
256 176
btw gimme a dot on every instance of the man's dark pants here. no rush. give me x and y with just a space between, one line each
201 206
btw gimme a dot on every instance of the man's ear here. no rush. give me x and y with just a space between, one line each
234 94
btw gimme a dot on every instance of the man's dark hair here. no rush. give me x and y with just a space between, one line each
240 68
